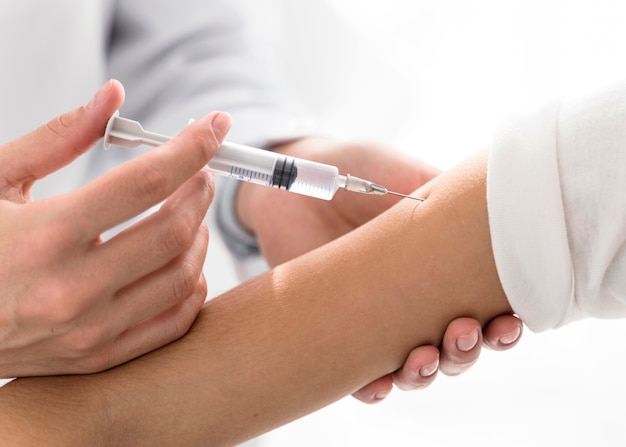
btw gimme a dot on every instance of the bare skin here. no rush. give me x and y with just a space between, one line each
305 334
299 224
56 322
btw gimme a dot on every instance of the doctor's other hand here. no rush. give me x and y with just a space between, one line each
298 224
73 303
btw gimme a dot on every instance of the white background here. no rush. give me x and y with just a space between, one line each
433 78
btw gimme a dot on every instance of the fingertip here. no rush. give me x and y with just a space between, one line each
376 391
111 93
419 370
511 337
427 371
105 102
506 340
118 93
462 346
218 122
467 342
504 332
117 85
221 123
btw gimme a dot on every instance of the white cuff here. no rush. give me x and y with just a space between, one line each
527 220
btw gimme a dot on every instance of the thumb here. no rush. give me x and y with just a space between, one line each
60 141
220 122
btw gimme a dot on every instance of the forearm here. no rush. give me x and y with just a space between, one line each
306 333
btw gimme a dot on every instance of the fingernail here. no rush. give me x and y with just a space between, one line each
429 370
100 96
467 342
511 337
380 396
218 118
221 124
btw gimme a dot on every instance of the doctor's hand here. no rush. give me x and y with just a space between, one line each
71 302
287 225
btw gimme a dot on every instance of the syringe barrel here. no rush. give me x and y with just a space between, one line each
275 170
315 179
244 163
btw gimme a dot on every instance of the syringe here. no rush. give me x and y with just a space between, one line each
255 165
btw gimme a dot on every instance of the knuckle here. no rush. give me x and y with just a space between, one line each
63 308
180 326
86 342
204 152
59 126
185 282
65 233
186 314
151 182
204 182
202 287
178 234
80 349
53 306
210 186
53 231
97 362
202 234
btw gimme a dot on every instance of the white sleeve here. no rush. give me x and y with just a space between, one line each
556 193
179 60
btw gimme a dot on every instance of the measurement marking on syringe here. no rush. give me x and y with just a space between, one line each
248 174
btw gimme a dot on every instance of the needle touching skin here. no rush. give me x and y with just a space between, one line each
421 199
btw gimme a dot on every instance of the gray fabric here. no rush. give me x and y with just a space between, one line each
241 243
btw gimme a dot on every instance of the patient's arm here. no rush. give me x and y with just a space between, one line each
288 342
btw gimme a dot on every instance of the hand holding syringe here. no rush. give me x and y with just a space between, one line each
255 165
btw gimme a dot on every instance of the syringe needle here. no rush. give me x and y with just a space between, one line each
421 199
357 184
379 189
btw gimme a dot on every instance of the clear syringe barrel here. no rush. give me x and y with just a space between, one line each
242 162
276 170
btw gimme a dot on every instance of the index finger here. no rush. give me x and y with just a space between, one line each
60 141
139 184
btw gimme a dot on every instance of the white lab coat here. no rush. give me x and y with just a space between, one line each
176 59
